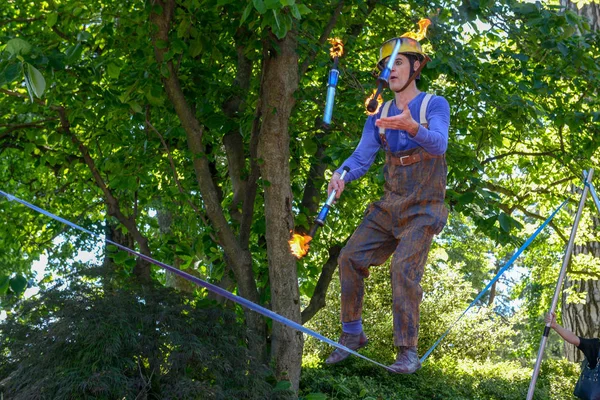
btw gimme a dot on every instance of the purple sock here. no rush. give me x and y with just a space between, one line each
353 328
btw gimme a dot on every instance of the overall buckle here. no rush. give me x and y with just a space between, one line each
402 161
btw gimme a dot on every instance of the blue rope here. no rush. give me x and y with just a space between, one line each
502 270
209 286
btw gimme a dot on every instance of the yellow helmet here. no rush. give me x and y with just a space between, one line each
407 46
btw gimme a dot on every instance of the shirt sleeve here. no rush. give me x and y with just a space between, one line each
590 348
361 160
434 139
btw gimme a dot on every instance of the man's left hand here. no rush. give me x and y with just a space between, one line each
402 122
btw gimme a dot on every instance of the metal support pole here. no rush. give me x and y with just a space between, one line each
563 271
594 195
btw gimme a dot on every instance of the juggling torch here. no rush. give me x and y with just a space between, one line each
299 243
336 51
384 77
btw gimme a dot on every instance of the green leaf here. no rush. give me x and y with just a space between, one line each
260 6
183 30
18 47
310 147
282 386
11 72
277 22
37 81
273 4
83 36
246 13
18 284
287 2
303 9
113 70
27 83
73 53
135 106
505 222
315 396
296 11
196 47
4 284
51 19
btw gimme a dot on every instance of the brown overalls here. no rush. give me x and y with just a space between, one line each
401 223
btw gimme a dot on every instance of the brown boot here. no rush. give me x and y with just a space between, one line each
407 360
353 342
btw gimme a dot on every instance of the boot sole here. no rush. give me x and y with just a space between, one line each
348 354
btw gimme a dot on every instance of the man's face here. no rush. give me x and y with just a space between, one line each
400 72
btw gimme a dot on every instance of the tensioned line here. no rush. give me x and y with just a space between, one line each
502 270
209 286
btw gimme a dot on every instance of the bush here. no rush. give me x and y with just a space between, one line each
84 342
446 378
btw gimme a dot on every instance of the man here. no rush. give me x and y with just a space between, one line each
410 212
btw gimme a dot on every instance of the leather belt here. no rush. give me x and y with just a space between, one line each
412 159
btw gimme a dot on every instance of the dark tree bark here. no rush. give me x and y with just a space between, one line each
583 319
241 260
281 78
590 11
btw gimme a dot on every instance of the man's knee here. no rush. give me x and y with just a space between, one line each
349 262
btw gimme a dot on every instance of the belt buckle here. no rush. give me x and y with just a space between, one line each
402 161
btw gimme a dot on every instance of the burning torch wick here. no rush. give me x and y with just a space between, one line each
336 51
299 243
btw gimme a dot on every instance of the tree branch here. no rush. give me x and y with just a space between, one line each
326 32
517 153
142 269
317 301
10 21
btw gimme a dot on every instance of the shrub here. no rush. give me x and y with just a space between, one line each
86 342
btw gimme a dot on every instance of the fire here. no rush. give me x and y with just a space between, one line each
423 24
299 245
379 102
337 47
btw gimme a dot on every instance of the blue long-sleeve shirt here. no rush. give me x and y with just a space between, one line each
433 139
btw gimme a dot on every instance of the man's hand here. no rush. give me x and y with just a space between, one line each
337 184
403 122
551 319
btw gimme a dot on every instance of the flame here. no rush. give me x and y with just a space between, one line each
423 24
299 245
379 102
337 47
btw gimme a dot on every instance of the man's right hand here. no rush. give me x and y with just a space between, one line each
337 184
551 319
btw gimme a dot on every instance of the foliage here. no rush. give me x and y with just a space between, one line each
82 341
90 131
441 378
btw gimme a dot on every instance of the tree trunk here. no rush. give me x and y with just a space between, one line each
590 11
281 81
583 319
241 260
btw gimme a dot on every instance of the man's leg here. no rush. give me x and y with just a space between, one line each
406 272
371 244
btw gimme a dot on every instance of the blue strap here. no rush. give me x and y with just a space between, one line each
502 270
213 288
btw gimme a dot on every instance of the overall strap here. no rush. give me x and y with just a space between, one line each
384 114
423 112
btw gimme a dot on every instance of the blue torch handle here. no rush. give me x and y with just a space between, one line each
320 220
331 85
385 74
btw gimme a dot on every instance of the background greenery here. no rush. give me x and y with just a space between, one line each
154 123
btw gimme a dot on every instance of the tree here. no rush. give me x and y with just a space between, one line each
207 110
